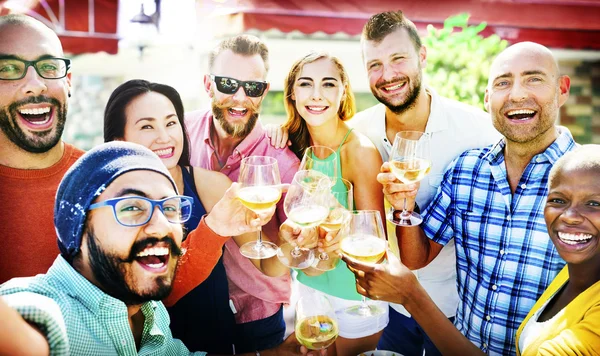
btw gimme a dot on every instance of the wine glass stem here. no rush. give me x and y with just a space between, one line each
405 215
364 306
259 243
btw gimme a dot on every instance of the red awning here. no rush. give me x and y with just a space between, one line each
555 23
83 26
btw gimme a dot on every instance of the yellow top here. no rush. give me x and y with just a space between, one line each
575 330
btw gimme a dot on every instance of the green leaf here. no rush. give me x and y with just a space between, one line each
459 20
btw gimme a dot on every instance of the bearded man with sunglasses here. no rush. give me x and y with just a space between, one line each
220 138
35 84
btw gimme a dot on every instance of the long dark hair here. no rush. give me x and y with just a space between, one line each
114 113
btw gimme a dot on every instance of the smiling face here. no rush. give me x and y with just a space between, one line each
394 68
572 214
151 121
132 264
236 113
318 92
32 109
525 92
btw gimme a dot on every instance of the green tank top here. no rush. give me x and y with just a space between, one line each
339 282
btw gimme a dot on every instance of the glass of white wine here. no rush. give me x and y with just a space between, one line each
341 203
316 325
322 159
261 189
306 205
410 162
365 243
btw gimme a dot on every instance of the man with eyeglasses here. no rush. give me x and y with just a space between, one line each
35 83
119 219
221 137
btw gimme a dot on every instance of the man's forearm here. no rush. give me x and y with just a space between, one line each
414 246
203 248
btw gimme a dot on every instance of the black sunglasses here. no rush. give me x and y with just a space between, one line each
230 86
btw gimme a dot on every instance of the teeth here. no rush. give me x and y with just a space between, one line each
36 111
155 265
238 109
573 239
317 108
163 152
154 251
394 87
521 112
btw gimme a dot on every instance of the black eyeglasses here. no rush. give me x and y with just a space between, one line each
47 68
226 85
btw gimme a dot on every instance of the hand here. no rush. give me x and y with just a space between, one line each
229 217
291 346
329 241
298 236
278 135
394 191
392 282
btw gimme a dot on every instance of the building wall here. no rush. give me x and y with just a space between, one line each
581 113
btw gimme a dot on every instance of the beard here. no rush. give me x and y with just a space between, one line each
41 141
414 88
240 130
546 114
111 273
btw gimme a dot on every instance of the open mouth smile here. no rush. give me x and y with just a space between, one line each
237 111
520 114
154 258
393 88
39 118
316 109
165 152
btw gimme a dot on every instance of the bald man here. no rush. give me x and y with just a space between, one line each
491 203
35 83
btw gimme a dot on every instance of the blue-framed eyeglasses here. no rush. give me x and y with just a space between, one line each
137 211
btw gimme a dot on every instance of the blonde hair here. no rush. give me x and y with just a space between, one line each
295 124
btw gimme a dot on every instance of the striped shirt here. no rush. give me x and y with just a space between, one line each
79 319
505 259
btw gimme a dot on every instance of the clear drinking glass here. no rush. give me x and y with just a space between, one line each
316 325
322 159
341 203
261 189
410 162
306 204
365 243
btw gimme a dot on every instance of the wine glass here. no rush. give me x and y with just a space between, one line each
341 203
365 243
306 205
322 159
410 162
316 325
259 177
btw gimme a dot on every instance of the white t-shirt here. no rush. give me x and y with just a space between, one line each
454 127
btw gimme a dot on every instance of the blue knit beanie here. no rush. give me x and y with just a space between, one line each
87 179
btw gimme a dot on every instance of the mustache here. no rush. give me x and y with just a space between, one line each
382 83
140 245
229 103
36 100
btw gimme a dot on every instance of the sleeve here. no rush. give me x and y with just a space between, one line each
45 314
177 348
203 248
439 214
582 338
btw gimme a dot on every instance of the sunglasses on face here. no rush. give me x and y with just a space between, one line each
230 86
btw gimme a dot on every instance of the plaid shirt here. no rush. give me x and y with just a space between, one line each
505 259
96 324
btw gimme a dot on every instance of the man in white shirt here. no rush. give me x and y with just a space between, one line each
394 58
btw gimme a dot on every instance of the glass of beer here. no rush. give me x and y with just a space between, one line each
365 243
410 162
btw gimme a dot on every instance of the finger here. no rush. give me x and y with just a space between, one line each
353 264
232 191
277 137
385 167
289 143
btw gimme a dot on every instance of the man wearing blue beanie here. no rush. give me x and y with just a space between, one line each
118 219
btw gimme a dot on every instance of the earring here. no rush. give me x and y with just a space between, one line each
69 94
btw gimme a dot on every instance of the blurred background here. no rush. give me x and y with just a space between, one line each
167 41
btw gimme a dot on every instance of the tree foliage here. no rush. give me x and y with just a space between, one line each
458 62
